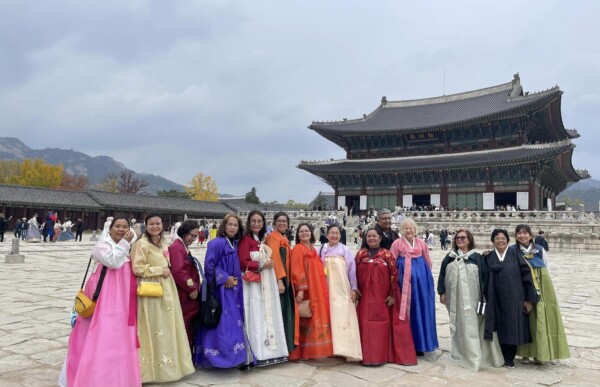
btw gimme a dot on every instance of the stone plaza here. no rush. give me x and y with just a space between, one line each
36 298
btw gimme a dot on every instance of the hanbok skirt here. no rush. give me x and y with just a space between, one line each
547 330
422 304
223 346
103 349
33 235
263 322
66 235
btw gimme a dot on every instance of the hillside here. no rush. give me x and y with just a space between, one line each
77 163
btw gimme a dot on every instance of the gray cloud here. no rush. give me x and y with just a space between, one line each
228 87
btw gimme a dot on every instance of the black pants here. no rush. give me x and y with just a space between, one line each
1 237
78 234
508 352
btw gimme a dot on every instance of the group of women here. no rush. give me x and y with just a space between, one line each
280 303
501 304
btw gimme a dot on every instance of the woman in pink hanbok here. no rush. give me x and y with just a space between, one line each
103 349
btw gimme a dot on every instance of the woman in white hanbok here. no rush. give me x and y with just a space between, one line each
33 232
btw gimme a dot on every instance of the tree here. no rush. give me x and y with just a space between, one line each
130 184
320 202
73 183
34 173
293 204
251 197
202 187
124 183
173 193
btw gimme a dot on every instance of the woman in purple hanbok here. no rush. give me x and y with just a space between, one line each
224 346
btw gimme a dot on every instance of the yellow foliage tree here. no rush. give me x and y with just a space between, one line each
34 173
202 187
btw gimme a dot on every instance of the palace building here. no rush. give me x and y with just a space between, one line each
478 150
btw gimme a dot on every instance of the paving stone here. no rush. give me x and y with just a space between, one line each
340 379
214 376
15 363
34 346
294 370
584 341
378 374
421 367
527 374
53 358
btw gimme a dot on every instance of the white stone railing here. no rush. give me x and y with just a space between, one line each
577 217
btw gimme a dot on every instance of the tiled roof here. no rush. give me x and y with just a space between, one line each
431 113
242 206
13 195
505 156
160 204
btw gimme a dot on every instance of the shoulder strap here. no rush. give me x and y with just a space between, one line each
321 250
86 271
99 286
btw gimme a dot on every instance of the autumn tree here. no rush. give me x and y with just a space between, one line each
73 182
202 187
110 183
251 197
172 193
34 173
125 182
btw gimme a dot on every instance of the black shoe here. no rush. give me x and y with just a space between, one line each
510 365
419 353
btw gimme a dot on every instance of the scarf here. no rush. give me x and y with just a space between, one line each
408 251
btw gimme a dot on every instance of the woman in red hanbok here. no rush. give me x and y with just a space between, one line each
384 337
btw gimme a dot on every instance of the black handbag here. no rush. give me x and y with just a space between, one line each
210 306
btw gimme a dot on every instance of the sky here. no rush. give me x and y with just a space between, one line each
228 88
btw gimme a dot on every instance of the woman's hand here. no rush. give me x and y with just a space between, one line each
443 298
231 282
194 294
527 305
281 286
300 295
390 300
354 296
166 272
268 264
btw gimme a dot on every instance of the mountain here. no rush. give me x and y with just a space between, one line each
77 163
586 191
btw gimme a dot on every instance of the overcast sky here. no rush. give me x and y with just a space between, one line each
229 87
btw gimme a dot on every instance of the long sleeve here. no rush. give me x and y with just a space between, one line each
441 287
351 269
298 272
396 248
178 255
244 248
214 253
139 262
275 244
527 280
111 255
425 251
393 270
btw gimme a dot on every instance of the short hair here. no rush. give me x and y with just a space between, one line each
279 215
384 211
149 216
186 227
364 244
223 227
409 222
500 231
263 229
117 218
312 234
335 225
470 238
541 232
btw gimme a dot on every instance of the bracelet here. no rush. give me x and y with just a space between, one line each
260 266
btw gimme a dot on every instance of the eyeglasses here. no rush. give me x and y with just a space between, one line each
282 221
461 238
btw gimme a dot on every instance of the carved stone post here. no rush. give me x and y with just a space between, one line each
14 256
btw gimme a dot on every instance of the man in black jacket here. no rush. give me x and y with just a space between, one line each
384 224
541 241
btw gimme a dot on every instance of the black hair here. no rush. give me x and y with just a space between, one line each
147 234
223 227
263 229
500 231
524 227
364 244
312 233
186 227
334 226
117 218
279 215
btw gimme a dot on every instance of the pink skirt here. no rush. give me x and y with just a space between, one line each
103 349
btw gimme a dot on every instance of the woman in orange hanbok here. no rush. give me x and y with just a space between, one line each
282 259
308 279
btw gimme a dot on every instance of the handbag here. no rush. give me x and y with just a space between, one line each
148 288
304 309
210 306
83 305
251 276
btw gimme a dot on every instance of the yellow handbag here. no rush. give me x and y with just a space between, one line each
83 305
149 289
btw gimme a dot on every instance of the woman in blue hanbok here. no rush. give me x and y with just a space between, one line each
417 288
224 346
66 234
33 232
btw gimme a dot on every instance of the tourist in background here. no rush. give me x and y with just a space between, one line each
510 297
463 277
213 232
3 226
545 322
281 254
416 286
164 349
79 229
33 233
308 279
262 306
66 234
384 225
343 293
185 270
17 229
57 230
384 337
103 349
540 240
224 346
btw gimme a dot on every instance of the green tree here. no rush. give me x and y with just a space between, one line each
320 202
173 193
251 197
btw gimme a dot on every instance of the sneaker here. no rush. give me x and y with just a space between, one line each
509 365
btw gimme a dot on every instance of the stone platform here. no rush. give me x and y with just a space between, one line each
36 298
